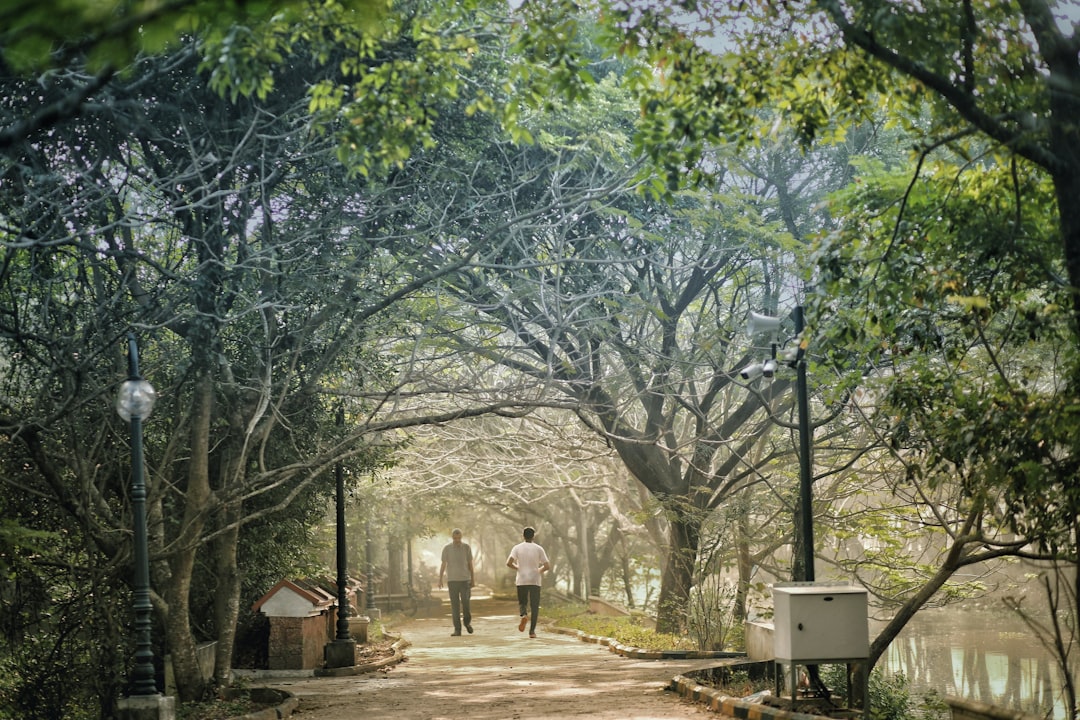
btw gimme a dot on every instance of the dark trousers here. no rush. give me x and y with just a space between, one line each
529 603
460 592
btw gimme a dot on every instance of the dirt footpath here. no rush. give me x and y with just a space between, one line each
499 674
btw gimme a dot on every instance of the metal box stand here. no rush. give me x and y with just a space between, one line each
821 624
858 689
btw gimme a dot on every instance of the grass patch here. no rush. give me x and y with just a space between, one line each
632 630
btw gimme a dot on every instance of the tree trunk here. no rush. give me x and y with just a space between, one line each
226 598
570 549
678 573
1067 189
1065 148
745 566
587 547
628 586
602 558
189 682
744 559
907 611
224 548
395 558
1070 684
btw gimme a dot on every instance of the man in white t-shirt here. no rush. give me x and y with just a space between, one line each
531 562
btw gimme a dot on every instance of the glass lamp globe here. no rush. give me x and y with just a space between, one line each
136 399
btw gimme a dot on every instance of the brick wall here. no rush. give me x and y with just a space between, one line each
297 643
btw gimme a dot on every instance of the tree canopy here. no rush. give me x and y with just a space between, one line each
433 213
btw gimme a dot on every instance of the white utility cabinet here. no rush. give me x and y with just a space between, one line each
821 624
819 621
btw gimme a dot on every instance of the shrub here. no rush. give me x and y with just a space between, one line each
890 696
631 630
710 620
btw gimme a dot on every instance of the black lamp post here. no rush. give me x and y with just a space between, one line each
342 557
803 561
134 403
341 652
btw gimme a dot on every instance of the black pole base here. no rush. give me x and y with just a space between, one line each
147 707
340 653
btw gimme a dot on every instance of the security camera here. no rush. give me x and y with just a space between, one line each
752 371
768 368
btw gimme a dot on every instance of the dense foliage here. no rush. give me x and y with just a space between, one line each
331 221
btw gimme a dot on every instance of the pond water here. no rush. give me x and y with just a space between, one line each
979 654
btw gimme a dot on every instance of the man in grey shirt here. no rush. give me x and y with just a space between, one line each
457 565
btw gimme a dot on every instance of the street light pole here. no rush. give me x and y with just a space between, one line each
134 403
806 480
803 546
341 652
342 556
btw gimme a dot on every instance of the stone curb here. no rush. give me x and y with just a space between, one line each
283 710
733 707
642 654
691 689
399 654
